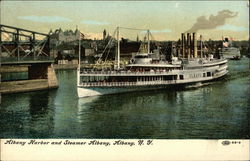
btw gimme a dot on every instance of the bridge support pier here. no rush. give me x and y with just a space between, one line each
41 77
52 79
43 71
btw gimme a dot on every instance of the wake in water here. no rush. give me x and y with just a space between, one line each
197 85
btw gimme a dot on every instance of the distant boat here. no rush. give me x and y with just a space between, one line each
230 52
146 72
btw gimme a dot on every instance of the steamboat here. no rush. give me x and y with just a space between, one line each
229 51
146 71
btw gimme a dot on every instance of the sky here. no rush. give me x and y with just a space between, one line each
165 19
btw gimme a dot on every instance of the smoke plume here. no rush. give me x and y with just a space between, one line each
213 21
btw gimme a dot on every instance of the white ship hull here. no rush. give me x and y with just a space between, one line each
141 86
87 92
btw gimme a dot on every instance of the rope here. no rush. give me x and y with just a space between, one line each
141 46
107 45
108 51
112 39
133 29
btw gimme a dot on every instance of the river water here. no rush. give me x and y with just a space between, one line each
217 110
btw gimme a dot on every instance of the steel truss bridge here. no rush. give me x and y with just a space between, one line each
19 46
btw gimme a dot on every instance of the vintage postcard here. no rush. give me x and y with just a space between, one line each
124 80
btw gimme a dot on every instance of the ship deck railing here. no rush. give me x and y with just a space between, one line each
126 72
122 84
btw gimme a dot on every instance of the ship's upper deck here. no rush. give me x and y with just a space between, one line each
143 61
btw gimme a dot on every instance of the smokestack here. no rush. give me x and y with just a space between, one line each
194 45
182 44
201 54
188 45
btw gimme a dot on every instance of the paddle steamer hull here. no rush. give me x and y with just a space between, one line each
182 78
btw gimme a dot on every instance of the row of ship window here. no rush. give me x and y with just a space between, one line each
142 78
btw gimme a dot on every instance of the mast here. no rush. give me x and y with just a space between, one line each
118 49
148 43
79 53
79 60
